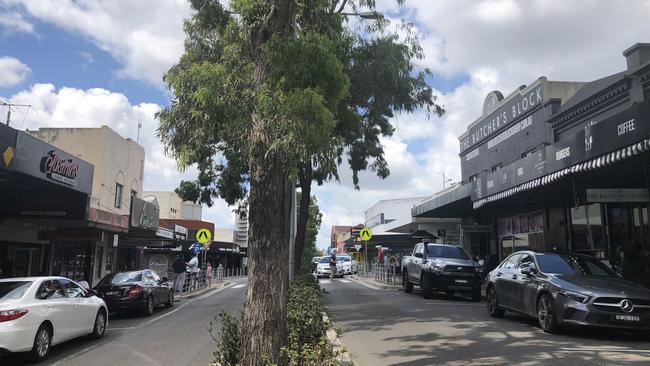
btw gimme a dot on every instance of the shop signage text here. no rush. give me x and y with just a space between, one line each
620 130
501 117
62 170
144 215
618 195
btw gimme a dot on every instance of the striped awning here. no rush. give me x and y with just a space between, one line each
592 164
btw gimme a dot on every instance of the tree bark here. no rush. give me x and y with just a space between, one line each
264 330
305 176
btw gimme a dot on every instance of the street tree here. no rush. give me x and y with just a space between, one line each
311 233
269 91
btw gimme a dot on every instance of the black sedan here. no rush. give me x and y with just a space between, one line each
566 289
136 290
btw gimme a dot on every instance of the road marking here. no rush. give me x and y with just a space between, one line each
77 354
454 304
125 328
325 281
238 286
366 284
345 281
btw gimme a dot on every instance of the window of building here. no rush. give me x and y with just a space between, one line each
497 167
472 178
118 195
587 228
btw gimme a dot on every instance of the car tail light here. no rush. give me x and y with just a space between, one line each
134 292
8 315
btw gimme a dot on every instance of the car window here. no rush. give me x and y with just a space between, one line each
49 290
13 290
419 249
325 260
156 278
121 278
446 251
149 278
526 261
72 289
511 262
573 265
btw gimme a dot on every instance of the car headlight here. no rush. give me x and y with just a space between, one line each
435 267
575 296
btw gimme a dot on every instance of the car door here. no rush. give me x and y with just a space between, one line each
151 284
415 263
161 290
84 308
521 282
503 281
58 309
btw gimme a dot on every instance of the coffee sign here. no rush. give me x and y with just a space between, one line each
63 170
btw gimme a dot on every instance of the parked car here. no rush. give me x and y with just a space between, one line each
441 267
37 313
323 268
135 290
349 265
566 289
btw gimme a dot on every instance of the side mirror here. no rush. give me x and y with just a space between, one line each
527 271
165 279
92 292
418 255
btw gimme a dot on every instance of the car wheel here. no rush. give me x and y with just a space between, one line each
493 307
42 343
406 284
100 325
546 314
170 299
149 306
427 286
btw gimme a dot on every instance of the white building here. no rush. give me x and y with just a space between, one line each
173 207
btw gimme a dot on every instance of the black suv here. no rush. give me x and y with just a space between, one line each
441 267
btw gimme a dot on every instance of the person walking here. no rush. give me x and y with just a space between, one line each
179 273
209 274
333 265
193 266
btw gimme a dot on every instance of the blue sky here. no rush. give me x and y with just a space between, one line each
94 62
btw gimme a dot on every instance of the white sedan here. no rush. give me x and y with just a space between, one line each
39 312
349 264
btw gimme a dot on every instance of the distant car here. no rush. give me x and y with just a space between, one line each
566 289
135 290
314 264
323 268
39 312
348 263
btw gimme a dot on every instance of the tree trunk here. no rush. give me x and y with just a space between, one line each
264 330
305 177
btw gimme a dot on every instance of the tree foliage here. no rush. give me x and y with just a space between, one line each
313 225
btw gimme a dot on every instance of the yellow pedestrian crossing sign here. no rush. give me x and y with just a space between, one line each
203 236
365 234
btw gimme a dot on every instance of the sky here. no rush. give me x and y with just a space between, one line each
87 63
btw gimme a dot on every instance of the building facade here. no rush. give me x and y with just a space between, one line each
542 169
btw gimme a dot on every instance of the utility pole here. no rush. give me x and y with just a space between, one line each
292 232
444 181
11 105
137 139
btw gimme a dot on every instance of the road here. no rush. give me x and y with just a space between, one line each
390 327
174 336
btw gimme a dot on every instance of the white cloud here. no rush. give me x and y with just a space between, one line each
146 36
12 71
71 107
14 22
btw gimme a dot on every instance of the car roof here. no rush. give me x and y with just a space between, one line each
39 278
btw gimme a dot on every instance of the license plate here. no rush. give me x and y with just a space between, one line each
112 293
628 318
460 281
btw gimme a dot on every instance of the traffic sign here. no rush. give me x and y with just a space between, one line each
365 234
203 236
357 247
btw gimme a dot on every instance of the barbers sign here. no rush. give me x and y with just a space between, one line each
61 169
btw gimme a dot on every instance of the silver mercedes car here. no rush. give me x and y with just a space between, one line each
566 289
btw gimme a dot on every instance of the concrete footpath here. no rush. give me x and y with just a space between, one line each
199 292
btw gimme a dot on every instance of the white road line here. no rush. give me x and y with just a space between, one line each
454 304
325 281
345 281
366 284
238 286
125 328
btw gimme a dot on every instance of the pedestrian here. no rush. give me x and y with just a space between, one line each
333 264
179 273
381 255
80 281
209 274
193 266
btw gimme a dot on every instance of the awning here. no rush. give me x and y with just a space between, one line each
456 200
595 163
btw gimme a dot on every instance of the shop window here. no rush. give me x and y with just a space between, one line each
587 228
118 195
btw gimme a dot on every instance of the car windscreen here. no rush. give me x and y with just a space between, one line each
572 265
446 251
343 259
324 260
13 290
120 278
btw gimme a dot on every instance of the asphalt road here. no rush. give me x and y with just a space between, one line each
390 327
174 336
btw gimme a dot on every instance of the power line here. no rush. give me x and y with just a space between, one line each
10 105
